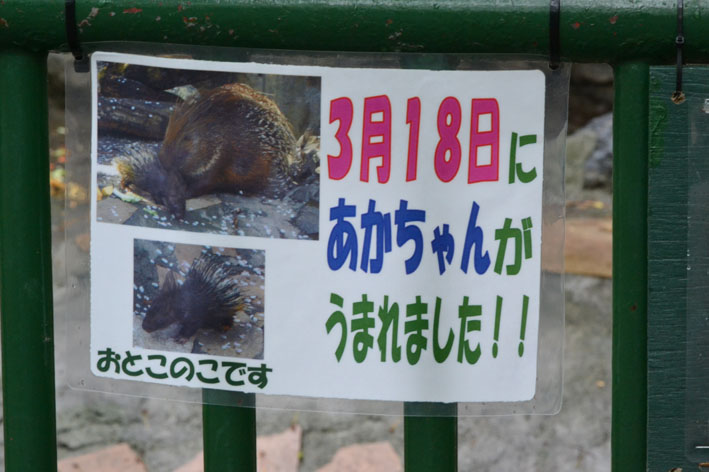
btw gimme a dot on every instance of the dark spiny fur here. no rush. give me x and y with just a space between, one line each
208 298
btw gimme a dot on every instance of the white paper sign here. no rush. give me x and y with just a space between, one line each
316 231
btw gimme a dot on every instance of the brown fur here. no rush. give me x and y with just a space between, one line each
230 139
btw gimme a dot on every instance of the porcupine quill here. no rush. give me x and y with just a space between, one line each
208 298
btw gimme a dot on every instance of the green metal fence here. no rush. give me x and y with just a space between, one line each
629 34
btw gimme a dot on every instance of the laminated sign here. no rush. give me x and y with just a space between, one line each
317 231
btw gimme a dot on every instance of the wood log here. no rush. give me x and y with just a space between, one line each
118 86
133 118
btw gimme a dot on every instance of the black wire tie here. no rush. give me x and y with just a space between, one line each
81 60
554 34
678 95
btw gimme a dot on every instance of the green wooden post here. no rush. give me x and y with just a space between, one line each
668 254
678 270
25 265
630 151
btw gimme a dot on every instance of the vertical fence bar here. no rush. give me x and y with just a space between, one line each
630 151
229 432
25 265
431 442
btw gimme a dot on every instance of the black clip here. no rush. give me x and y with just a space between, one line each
554 34
81 60
678 95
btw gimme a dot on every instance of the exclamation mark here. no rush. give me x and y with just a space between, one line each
525 304
498 315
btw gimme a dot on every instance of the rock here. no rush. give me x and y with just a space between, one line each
598 170
304 193
255 258
299 100
307 221
579 147
114 210
589 157
203 201
145 277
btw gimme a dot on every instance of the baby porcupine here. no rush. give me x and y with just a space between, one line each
230 139
208 298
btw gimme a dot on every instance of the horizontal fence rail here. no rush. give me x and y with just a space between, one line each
598 31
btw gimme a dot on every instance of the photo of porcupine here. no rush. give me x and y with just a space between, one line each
198 299
208 299
226 153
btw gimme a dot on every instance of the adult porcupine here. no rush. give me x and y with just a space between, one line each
208 298
230 139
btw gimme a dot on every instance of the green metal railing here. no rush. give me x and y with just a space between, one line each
26 269
630 151
630 34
